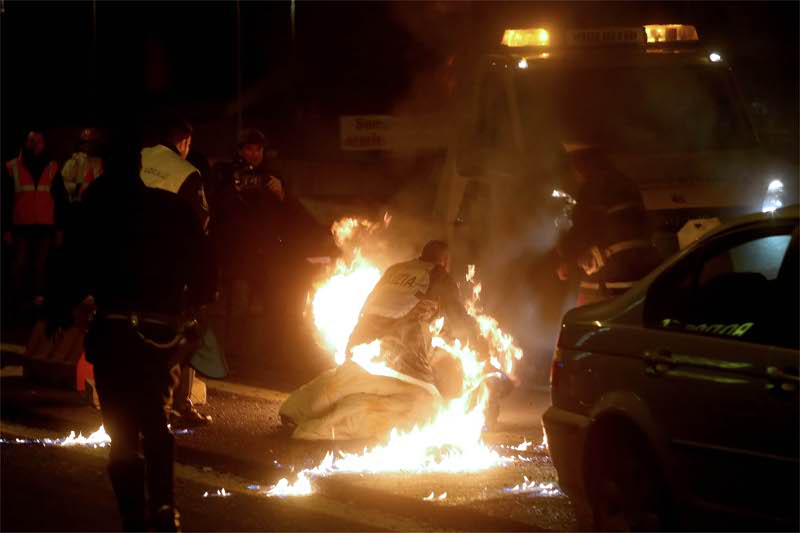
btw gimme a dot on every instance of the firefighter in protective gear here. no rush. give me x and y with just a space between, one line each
608 247
83 167
164 166
349 402
34 208
139 253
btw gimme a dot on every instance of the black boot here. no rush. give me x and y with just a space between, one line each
127 480
159 451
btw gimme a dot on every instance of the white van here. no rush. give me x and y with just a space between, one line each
667 110
668 113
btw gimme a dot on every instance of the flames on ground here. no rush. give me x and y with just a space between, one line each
451 441
98 439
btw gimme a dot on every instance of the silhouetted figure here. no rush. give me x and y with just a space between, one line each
166 166
85 165
140 254
250 217
34 208
608 247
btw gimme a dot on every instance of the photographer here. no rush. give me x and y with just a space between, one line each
248 220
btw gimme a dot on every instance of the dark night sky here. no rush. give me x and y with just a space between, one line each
347 57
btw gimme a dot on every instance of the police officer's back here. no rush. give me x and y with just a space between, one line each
139 253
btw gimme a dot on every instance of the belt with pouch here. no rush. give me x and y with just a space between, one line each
187 329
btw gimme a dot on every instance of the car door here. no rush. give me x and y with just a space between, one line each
720 363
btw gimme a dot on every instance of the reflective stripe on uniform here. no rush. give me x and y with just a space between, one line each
13 167
625 245
591 285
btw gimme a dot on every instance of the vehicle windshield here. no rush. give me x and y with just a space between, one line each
635 109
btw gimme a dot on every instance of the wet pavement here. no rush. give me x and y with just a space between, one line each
246 446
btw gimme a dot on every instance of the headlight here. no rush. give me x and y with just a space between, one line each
774 198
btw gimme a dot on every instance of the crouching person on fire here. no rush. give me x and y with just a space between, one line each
392 377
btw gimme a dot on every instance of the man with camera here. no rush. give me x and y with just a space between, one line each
248 221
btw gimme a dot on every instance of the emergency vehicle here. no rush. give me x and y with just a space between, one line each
667 111
682 394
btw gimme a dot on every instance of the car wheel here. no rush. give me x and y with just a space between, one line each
626 492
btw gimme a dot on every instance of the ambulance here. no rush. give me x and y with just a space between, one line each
665 109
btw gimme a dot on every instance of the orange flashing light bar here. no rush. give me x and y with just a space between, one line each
670 33
526 37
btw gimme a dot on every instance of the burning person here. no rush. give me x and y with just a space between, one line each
391 379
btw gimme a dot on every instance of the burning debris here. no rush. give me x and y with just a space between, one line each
221 493
526 445
536 489
98 439
451 440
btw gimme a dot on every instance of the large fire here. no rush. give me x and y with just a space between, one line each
451 441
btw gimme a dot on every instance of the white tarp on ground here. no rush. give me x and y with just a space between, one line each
348 402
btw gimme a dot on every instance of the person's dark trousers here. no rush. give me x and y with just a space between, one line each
28 274
237 300
241 298
135 384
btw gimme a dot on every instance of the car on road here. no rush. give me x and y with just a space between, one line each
678 401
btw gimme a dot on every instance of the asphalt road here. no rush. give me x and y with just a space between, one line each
53 488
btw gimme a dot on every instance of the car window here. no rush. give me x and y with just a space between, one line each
733 287
763 256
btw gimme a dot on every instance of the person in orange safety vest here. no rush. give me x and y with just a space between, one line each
34 203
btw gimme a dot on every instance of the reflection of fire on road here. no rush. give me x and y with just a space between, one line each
451 441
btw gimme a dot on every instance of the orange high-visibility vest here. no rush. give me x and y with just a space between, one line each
33 203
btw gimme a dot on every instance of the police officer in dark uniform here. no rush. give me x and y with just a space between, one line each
136 253
608 247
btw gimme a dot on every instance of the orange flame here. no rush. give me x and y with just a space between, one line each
336 304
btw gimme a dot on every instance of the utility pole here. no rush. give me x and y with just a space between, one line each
238 67
95 77
292 15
